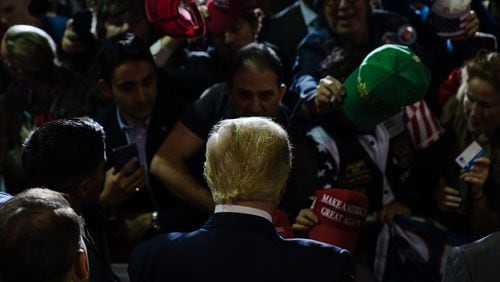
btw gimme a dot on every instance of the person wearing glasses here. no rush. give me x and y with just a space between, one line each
348 31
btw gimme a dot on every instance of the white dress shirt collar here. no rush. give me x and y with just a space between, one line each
243 209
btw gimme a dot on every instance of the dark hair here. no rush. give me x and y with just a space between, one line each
259 55
120 49
61 153
114 8
39 237
254 17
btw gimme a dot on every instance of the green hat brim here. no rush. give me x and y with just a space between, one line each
358 111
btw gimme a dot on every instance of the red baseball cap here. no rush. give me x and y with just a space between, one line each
222 14
176 18
282 224
341 215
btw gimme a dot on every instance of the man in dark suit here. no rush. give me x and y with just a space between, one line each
143 114
477 261
247 164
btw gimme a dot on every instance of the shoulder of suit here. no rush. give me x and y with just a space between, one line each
484 245
317 246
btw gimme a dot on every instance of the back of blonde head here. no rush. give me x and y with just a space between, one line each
32 50
247 159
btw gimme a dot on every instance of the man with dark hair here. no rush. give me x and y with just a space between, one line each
254 88
41 239
68 156
141 116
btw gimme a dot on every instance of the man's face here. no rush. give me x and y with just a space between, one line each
133 86
97 182
346 17
10 68
231 41
255 92
14 12
128 22
482 107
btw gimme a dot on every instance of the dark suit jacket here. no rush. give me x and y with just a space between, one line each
174 215
477 261
237 247
100 268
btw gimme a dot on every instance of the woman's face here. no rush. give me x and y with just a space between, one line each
346 17
228 43
10 68
482 107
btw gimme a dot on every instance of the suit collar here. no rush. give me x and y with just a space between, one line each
239 221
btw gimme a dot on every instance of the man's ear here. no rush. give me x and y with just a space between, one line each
81 265
82 190
105 88
282 90
228 90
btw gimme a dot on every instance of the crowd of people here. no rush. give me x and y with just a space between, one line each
299 140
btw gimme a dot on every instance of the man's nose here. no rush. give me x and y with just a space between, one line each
141 94
255 106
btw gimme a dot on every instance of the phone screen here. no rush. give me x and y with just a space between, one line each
121 155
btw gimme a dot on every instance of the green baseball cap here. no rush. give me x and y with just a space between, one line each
390 77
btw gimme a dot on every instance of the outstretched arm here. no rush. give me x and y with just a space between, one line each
169 166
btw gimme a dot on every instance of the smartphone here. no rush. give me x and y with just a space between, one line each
82 22
122 155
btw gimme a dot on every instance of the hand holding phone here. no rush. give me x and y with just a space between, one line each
120 185
82 22
122 155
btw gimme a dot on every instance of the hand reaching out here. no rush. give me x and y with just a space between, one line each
305 221
71 42
448 198
330 95
118 186
477 176
387 213
469 23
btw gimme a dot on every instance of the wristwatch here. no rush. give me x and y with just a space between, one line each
155 222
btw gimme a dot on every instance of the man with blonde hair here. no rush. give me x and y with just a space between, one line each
247 165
